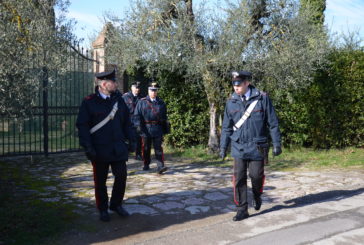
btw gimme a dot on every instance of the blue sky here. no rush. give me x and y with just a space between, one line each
340 15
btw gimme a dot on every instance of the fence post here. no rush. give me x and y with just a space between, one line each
45 110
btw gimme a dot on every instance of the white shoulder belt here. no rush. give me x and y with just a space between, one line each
108 118
245 116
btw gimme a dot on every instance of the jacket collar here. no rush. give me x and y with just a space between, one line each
253 93
149 99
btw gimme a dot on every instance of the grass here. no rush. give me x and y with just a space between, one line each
25 219
290 159
319 159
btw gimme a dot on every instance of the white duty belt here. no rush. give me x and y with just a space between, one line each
245 116
108 118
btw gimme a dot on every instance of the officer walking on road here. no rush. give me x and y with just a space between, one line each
248 119
104 127
131 99
151 123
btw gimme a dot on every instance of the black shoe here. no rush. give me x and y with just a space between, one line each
240 215
146 167
104 216
138 157
257 203
120 211
161 170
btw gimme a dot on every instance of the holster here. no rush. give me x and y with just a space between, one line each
264 150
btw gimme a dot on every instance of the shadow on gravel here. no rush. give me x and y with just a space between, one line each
310 199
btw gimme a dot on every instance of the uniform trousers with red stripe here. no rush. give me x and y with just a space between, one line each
101 171
147 147
256 174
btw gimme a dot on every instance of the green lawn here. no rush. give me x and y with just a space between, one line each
290 158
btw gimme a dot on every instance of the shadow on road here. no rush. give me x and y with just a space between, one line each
310 199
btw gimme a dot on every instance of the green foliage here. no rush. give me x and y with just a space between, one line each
316 9
31 39
330 113
187 110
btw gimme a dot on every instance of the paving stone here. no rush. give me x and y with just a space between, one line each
197 209
140 209
214 196
185 187
51 199
168 205
194 201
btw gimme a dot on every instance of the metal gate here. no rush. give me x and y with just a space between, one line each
51 126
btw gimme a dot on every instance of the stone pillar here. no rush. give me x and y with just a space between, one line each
99 54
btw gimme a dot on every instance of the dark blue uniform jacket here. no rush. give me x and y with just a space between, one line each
131 102
151 116
108 141
255 130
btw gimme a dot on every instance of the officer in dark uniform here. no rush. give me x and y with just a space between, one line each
103 135
151 123
131 99
249 140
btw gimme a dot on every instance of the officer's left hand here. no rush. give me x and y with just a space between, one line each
277 150
222 154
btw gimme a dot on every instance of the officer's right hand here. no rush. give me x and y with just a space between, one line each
222 154
91 154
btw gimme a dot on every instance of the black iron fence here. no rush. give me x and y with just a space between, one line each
50 127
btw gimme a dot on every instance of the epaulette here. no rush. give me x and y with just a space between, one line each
263 93
89 96
232 97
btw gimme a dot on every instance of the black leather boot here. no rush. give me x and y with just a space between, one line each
104 216
257 202
240 215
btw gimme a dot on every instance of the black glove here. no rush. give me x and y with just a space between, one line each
90 153
277 150
222 153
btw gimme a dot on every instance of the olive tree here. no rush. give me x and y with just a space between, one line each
31 38
267 37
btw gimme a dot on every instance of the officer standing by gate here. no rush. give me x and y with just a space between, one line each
151 123
131 99
103 127
248 118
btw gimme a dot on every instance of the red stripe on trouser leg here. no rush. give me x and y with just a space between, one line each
143 144
234 187
97 198
263 181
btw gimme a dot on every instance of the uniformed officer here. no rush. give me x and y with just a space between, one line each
151 123
131 99
104 127
249 139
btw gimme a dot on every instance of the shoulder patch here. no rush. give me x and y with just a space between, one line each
90 96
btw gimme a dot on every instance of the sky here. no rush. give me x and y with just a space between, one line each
341 16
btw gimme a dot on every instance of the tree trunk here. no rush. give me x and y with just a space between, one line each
213 133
